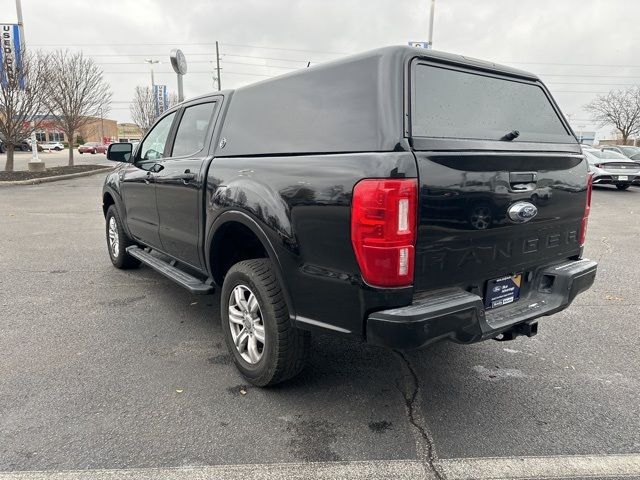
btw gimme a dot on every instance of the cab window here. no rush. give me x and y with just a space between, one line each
192 131
153 146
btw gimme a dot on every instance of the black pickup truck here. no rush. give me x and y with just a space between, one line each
400 196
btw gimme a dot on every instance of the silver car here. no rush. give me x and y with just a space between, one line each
612 168
628 151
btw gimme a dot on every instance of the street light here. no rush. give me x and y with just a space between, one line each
151 62
433 7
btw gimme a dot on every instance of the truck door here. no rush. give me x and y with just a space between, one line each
138 184
180 180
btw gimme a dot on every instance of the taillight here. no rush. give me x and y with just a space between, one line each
383 230
587 209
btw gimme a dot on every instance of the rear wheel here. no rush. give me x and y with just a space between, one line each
118 241
622 187
267 349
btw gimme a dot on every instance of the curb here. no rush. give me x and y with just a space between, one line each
36 181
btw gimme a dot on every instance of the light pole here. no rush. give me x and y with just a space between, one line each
101 127
433 7
20 22
151 62
35 165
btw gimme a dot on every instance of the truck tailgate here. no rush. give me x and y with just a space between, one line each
465 235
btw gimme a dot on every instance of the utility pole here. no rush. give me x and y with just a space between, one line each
433 7
151 62
218 66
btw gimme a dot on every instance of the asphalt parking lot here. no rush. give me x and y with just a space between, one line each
126 374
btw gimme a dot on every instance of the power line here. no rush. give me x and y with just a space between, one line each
236 45
209 62
283 49
585 75
589 84
261 65
572 64
208 72
263 58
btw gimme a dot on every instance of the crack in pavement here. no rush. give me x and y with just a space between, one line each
425 447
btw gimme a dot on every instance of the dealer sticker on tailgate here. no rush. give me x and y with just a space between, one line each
502 291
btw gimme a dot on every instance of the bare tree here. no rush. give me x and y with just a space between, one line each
23 89
619 108
78 93
143 107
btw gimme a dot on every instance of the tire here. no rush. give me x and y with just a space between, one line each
284 349
57 149
93 152
119 256
622 187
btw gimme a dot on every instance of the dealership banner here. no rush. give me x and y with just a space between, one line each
11 55
161 99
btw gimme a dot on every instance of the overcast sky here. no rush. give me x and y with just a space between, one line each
578 47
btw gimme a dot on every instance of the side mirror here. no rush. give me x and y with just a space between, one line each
120 152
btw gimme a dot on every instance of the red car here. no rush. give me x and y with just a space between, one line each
93 148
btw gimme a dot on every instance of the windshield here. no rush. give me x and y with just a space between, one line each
456 104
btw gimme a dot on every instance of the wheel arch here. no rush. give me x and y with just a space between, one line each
234 222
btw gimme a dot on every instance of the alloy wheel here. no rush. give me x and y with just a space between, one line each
246 325
114 237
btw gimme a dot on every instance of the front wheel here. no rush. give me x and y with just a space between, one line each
622 187
93 152
266 348
118 241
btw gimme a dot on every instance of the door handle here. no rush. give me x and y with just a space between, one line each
187 176
523 180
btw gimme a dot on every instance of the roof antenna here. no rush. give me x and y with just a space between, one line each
308 64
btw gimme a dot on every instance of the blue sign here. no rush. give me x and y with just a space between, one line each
11 55
426 45
161 99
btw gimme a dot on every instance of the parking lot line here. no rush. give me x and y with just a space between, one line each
501 468
362 470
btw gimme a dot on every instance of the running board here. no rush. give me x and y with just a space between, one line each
189 282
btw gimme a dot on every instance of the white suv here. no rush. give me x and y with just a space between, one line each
57 146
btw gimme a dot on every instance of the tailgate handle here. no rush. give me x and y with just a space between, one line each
523 180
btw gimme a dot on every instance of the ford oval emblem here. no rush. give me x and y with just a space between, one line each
521 212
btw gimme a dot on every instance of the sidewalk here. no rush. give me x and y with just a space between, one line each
54 159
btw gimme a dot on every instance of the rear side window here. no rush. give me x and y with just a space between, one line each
455 104
192 131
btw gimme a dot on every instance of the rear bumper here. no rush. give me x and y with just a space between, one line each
613 179
460 316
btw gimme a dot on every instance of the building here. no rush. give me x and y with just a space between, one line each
102 130
128 132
